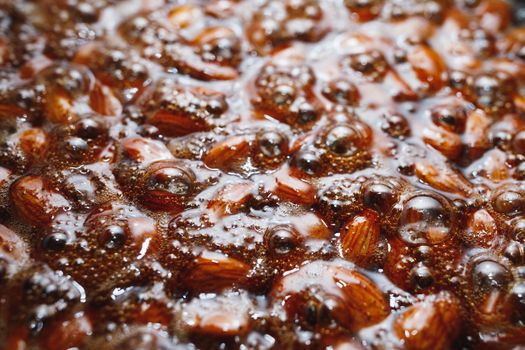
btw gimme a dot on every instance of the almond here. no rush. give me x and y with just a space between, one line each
476 137
212 34
35 201
443 177
221 315
323 290
493 166
33 66
104 102
360 237
432 324
364 303
34 142
232 198
188 62
446 142
184 16
292 189
145 150
428 66
213 272
58 106
228 153
481 229
311 225
177 124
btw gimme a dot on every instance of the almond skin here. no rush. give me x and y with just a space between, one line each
212 272
292 189
225 154
431 324
59 106
428 65
144 150
443 177
104 102
446 142
34 142
177 124
360 237
35 201
364 302
476 137
481 229
232 198
319 292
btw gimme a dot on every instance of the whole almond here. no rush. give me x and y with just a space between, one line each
446 142
364 303
228 153
481 229
35 201
58 106
212 272
428 65
177 124
442 177
144 150
476 137
360 237
104 102
431 324
232 198
292 189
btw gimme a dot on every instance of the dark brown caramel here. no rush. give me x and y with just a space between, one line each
266 174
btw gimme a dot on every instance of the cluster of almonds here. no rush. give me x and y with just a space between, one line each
232 174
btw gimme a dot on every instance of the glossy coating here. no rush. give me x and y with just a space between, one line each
266 174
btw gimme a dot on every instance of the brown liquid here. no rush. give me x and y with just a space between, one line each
232 174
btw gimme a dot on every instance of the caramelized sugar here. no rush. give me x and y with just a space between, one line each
235 174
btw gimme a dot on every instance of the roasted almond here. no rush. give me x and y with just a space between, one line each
145 150
34 142
443 177
432 324
58 106
232 198
220 316
476 137
177 124
321 291
364 303
184 16
292 189
104 102
227 153
35 201
446 142
360 237
428 66
213 272
481 229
